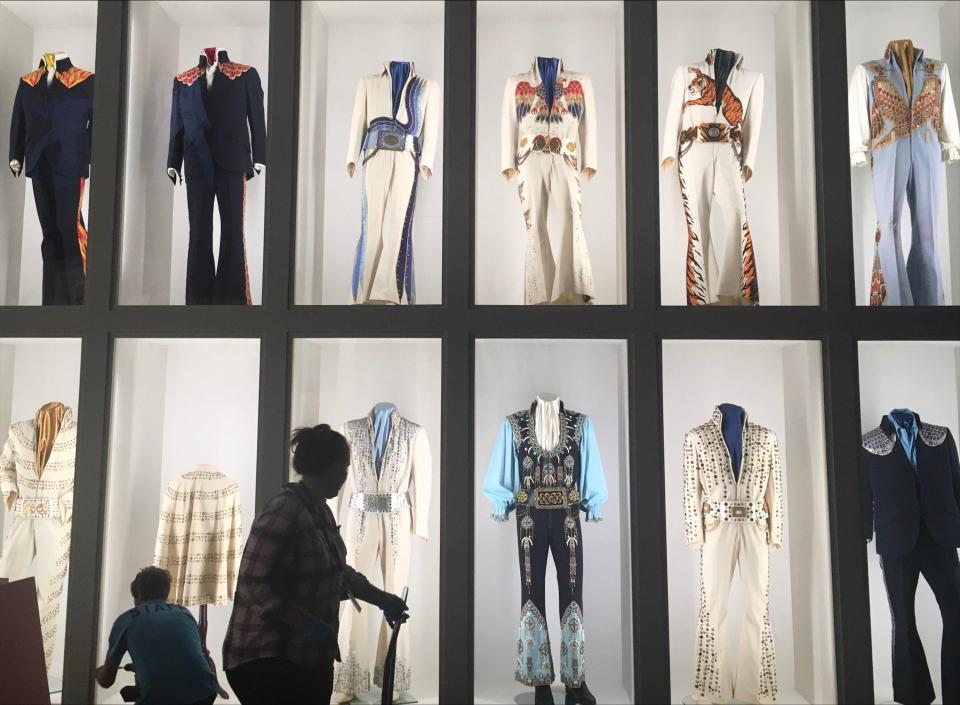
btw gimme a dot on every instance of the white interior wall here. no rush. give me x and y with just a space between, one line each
950 52
32 373
338 54
920 21
888 380
31 29
781 206
589 40
757 375
509 375
338 380
156 225
177 403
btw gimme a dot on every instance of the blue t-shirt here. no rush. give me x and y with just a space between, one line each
164 643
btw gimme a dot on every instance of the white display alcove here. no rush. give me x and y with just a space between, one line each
774 39
889 380
33 372
588 37
340 43
336 380
31 29
509 376
932 25
779 384
177 403
166 38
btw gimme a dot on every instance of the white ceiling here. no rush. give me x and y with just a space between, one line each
410 11
535 9
54 14
243 13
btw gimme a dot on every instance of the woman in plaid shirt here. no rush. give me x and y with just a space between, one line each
282 639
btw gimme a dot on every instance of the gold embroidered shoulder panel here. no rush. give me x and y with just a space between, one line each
879 443
33 78
73 76
933 435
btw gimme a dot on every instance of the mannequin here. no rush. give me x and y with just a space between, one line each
50 60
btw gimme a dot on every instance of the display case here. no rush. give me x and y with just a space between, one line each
514 374
926 240
779 386
31 29
160 219
550 234
935 398
719 237
355 226
179 406
34 372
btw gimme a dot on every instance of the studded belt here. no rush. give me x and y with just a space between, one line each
40 508
380 502
735 510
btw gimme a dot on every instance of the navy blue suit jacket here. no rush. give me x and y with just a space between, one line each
222 126
53 123
898 498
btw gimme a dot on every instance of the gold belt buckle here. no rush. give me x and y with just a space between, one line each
739 512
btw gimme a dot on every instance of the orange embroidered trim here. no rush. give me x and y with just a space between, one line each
81 229
73 76
33 78
231 69
878 287
189 77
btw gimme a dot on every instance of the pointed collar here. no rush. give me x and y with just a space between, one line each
383 407
536 68
386 68
533 407
717 417
898 46
890 427
62 64
713 52
222 57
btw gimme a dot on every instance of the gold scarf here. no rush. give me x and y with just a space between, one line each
906 56
48 421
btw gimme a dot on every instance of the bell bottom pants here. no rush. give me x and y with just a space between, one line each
228 280
383 266
720 265
940 567
48 541
568 278
754 678
59 202
908 170
373 536
539 532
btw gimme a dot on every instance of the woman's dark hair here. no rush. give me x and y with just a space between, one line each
317 449
151 583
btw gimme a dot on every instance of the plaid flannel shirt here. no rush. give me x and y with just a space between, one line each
294 557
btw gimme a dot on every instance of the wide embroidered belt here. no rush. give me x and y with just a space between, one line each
390 140
549 144
735 510
711 132
549 497
380 502
40 508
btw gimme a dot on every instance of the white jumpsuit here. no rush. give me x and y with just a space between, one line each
39 492
733 522
382 519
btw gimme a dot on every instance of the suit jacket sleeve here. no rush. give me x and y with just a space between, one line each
751 124
866 498
774 496
858 116
431 126
692 518
90 117
508 127
8 475
949 128
671 124
258 124
422 475
954 465
175 150
18 128
358 124
588 127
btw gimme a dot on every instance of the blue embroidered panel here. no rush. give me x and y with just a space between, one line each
571 648
534 660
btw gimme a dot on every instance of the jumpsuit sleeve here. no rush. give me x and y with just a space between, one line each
422 476
593 486
774 496
671 124
358 125
431 125
866 499
175 150
588 127
858 108
8 474
503 474
508 127
751 124
949 129
692 519
256 118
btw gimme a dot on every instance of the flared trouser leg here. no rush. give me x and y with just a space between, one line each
396 544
